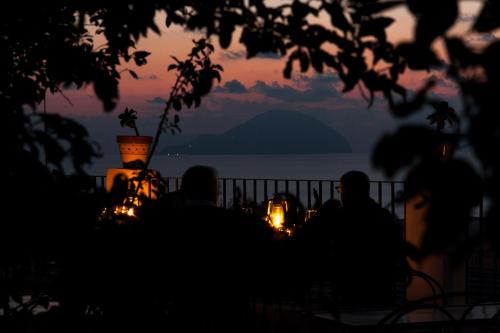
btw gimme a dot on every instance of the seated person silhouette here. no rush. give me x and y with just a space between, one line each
206 257
366 246
200 186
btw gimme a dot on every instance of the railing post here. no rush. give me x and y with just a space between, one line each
308 194
380 193
224 197
234 192
255 191
265 191
320 190
297 188
96 183
244 192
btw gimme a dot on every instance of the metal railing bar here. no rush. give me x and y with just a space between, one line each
244 192
308 194
224 193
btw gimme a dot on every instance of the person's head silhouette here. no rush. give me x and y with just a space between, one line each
354 187
199 184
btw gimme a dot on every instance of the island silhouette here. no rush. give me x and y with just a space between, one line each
272 132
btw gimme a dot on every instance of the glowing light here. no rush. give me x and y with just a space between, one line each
309 214
276 210
277 216
126 209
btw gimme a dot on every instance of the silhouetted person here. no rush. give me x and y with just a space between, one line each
366 245
208 256
200 186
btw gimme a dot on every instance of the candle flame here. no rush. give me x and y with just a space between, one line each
277 217
276 214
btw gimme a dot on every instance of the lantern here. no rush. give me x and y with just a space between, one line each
276 209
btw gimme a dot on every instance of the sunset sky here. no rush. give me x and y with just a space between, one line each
249 87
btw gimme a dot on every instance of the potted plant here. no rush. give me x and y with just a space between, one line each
443 113
134 149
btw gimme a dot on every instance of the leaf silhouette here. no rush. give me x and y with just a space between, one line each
489 17
442 114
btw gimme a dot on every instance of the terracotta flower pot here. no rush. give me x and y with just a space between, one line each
134 150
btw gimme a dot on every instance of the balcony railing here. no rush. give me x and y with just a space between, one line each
482 270
258 190
307 191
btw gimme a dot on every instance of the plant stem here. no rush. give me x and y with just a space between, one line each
173 92
162 121
143 174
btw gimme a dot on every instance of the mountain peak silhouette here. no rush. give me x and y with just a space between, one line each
272 132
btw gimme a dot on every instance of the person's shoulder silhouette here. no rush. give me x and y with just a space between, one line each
367 243
362 217
204 257
203 235
200 213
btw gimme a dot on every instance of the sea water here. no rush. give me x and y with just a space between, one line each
323 166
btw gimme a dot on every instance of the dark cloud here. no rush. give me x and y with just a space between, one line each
157 100
268 55
236 55
232 87
152 77
318 88
484 38
275 90
233 55
325 78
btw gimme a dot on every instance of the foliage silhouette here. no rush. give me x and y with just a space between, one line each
47 47
443 113
128 118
